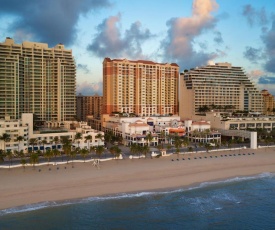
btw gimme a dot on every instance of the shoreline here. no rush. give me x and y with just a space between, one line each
20 188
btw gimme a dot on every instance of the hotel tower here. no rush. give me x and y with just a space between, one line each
220 86
140 87
37 79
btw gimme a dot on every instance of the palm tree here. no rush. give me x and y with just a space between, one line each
56 153
115 150
177 143
99 136
108 136
78 136
72 155
162 136
32 142
9 156
34 159
145 150
99 150
207 147
134 148
43 142
23 162
19 139
56 141
84 152
48 155
66 146
88 139
5 137
2 155
149 137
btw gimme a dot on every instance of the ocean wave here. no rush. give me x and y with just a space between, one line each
234 179
51 204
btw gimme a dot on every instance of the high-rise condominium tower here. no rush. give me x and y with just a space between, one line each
220 86
140 87
37 79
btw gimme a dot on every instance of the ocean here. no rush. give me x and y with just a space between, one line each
238 203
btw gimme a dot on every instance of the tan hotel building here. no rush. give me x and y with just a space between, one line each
140 87
37 79
221 86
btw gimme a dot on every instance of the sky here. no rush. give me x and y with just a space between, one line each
190 33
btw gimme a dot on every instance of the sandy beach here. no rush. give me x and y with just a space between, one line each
29 186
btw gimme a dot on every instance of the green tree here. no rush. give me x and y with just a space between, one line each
115 150
43 142
2 155
162 138
23 163
34 159
32 142
48 154
99 137
134 148
88 138
99 150
9 155
72 155
6 138
78 136
145 150
66 146
84 152
19 139
56 153
149 138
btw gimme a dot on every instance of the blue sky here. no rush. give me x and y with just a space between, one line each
189 32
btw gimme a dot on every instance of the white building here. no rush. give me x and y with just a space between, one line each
135 129
14 128
24 127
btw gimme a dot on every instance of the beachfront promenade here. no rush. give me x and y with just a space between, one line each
63 160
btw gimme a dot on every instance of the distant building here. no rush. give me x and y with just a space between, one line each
269 102
219 87
139 87
37 79
88 106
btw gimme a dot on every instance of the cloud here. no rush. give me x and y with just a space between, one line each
51 21
269 42
266 80
89 89
252 54
83 68
254 16
109 42
218 37
178 46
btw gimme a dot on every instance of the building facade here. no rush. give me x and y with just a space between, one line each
45 138
220 87
37 79
88 106
140 87
269 103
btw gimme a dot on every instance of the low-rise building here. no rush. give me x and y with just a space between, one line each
48 137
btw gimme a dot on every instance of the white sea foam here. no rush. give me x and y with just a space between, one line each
43 205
